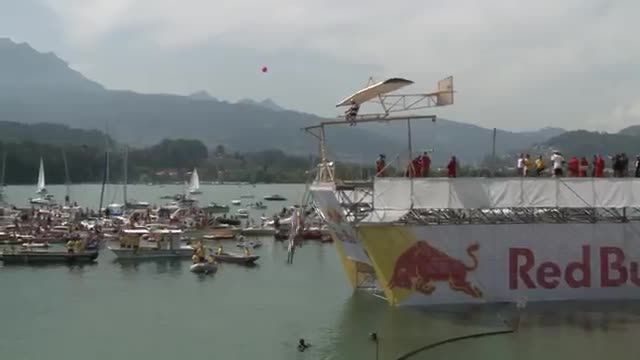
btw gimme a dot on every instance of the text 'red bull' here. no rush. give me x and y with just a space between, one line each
420 266
524 272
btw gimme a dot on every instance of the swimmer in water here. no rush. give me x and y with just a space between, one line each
302 345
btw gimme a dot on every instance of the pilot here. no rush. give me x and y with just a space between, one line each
352 113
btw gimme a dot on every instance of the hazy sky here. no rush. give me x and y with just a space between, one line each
517 64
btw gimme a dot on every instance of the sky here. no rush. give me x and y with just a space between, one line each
517 65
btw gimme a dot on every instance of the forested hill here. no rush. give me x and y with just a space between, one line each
53 134
169 161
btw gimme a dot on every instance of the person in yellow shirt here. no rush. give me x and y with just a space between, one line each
540 166
528 165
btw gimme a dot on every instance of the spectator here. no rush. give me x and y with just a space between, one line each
520 165
599 166
528 165
558 161
540 165
624 165
426 164
573 166
584 167
452 167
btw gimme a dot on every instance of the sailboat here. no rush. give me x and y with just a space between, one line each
194 184
41 186
45 199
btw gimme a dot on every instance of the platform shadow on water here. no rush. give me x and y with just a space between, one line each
70 266
586 315
407 328
162 265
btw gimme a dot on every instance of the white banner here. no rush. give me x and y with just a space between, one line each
488 193
515 263
343 231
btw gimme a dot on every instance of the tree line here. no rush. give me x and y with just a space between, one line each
166 162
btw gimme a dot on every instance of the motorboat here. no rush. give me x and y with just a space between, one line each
242 213
220 236
115 209
167 245
247 196
275 197
48 257
229 221
35 245
214 208
258 231
258 205
204 268
138 205
45 200
251 244
236 258
172 197
236 202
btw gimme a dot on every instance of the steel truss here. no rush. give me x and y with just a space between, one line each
520 216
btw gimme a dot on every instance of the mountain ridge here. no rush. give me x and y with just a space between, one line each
53 92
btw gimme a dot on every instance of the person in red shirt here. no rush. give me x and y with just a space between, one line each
417 167
584 167
452 168
380 165
573 167
426 164
599 166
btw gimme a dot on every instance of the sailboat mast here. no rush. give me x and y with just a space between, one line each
104 178
4 163
124 186
107 147
4 168
67 180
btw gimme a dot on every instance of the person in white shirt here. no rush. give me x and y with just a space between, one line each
558 162
520 165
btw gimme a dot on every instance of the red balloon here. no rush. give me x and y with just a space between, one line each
265 69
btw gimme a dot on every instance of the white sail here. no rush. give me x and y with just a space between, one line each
194 184
41 184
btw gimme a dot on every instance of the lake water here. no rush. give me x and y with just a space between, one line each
159 310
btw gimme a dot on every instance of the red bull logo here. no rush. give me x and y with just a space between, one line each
422 265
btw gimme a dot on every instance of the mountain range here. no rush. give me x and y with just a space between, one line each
41 88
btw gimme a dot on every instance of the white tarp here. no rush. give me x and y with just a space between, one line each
333 214
525 262
485 193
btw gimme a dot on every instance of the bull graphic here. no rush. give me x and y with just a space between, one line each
420 266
